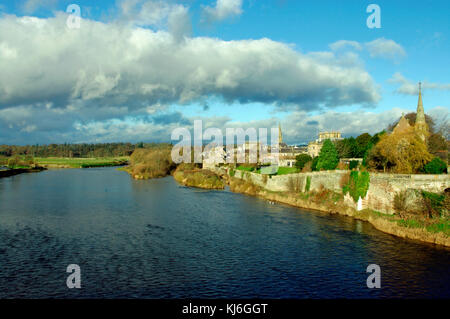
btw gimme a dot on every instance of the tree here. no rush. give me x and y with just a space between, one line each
362 143
400 153
346 148
301 160
437 146
314 163
328 157
436 166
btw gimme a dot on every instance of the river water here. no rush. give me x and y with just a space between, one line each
157 239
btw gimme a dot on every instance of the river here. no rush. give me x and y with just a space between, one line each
157 239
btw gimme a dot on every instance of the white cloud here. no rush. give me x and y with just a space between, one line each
378 48
159 14
115 64
223 9
105 72
342 44
408 87
385 48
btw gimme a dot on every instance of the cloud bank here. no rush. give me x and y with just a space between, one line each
56 80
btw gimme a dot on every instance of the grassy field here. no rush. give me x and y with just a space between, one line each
281 170
287 170
80 162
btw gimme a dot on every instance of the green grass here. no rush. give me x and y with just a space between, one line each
81 162
245 168
410 223
442 226
287 170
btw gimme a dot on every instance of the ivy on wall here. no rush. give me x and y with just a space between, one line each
308 183
358 185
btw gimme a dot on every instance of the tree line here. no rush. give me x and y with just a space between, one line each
74 150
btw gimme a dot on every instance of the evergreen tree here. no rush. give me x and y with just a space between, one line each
328 157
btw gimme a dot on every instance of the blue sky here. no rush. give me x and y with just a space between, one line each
413 44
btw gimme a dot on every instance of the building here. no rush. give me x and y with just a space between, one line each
287 153
315 146
215 156
420 127
333 136
403 126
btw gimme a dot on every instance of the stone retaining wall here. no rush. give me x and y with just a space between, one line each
382 188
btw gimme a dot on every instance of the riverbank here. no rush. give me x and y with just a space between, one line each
80 162
200 178
332 203
17 171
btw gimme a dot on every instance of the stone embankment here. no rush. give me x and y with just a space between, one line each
377 205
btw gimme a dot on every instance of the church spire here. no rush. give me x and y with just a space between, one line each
420 104
280 135
421 125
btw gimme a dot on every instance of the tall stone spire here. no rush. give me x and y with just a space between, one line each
280 135
420 126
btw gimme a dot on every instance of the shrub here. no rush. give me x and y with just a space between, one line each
353 164
13 162
198 178
436 166
433 203
151 163
307 167
301 160
342 166
322 194
3 161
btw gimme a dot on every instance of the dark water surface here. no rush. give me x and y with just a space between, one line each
156 239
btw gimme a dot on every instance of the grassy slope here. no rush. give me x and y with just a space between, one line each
80 162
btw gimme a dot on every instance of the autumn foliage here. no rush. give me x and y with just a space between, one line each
399 153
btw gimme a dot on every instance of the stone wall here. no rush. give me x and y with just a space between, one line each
382 187
280 183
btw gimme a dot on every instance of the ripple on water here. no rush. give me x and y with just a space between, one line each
154 239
